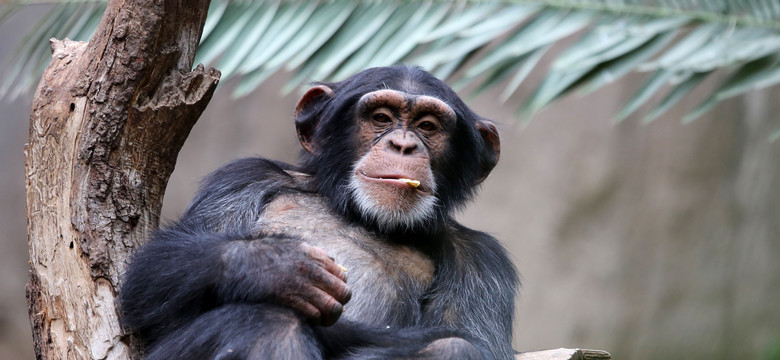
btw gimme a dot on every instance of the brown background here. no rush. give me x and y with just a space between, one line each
649 241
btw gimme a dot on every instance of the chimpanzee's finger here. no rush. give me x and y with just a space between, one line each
305 308
328 306
333 286
326 261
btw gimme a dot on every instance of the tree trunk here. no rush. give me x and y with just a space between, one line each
107 123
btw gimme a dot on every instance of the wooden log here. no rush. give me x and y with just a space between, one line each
565 354
107 122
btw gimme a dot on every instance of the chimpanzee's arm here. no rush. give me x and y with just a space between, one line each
467 314
474 293
210 258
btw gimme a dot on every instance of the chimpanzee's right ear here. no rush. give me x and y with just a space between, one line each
492 150
307 115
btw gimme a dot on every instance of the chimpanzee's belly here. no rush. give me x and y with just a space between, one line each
387 280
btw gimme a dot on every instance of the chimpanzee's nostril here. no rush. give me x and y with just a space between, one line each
404 144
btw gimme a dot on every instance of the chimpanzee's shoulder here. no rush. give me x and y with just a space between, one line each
237 193
248 170
481 249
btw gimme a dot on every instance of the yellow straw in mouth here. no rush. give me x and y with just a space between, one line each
412 183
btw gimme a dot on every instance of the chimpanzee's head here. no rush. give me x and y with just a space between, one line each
394 147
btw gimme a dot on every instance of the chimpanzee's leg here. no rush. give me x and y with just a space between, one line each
241 331
452 348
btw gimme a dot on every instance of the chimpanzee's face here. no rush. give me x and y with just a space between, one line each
399 136
394 148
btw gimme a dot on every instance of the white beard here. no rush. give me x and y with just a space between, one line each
389 216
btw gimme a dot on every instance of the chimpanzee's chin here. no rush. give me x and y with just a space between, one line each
391 207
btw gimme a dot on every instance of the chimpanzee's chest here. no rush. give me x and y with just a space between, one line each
387 280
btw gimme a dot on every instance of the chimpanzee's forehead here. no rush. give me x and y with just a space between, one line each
406 102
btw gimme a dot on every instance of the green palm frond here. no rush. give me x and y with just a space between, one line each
484 45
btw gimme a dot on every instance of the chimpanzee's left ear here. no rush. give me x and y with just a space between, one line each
307 114
492 149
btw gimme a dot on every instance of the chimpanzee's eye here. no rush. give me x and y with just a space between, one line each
381 118
427 126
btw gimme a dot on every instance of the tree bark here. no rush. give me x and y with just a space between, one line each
108 120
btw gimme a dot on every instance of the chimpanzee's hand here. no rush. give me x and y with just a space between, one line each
288 272
313 284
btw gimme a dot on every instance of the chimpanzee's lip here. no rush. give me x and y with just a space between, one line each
394 179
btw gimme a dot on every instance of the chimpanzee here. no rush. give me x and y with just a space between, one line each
352 254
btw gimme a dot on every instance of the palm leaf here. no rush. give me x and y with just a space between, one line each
488 45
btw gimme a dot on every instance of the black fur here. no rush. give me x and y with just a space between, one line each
202 288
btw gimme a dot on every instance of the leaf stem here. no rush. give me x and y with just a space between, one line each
684 8
657 9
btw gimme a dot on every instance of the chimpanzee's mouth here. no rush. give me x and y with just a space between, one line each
393 179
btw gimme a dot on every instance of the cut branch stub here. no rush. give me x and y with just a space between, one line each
565 354
107 123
